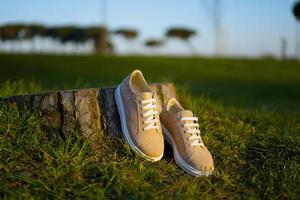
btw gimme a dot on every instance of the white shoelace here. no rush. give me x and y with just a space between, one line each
193 130
149 113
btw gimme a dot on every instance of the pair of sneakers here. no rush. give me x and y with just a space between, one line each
145 129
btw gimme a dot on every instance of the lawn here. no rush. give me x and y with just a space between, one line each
249 113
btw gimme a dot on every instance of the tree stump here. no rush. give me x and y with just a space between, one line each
92 110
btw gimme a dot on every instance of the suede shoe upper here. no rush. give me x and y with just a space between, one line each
183 128
142 117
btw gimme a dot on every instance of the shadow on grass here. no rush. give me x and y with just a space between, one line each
268 97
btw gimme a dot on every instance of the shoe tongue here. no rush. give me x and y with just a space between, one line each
186 113
147 95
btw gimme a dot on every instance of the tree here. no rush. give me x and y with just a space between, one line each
296 10
154 43
10 32
101 42
183 34
128 34
67 34
63 33
34 30
21 31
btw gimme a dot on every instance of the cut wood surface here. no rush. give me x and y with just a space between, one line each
93 111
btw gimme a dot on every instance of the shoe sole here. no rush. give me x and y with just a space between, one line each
124 126
178 159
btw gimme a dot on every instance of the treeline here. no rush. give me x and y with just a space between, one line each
100 35
63 33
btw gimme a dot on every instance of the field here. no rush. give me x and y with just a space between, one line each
249 113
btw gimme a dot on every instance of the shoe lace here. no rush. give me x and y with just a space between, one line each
149 114
193 130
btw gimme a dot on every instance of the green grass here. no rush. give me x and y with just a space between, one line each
249 116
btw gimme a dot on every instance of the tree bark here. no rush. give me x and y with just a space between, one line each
93 110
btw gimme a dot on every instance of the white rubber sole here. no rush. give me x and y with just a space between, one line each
124 126
178 159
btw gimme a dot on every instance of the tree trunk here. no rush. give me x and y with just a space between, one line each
93 110
101 43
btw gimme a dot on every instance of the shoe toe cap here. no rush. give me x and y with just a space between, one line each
202 161
152 145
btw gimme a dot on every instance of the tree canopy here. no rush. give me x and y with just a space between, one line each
153 43
63 33
296 10
127 33
180 32
66 34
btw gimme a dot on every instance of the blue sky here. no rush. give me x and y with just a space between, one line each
250 27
